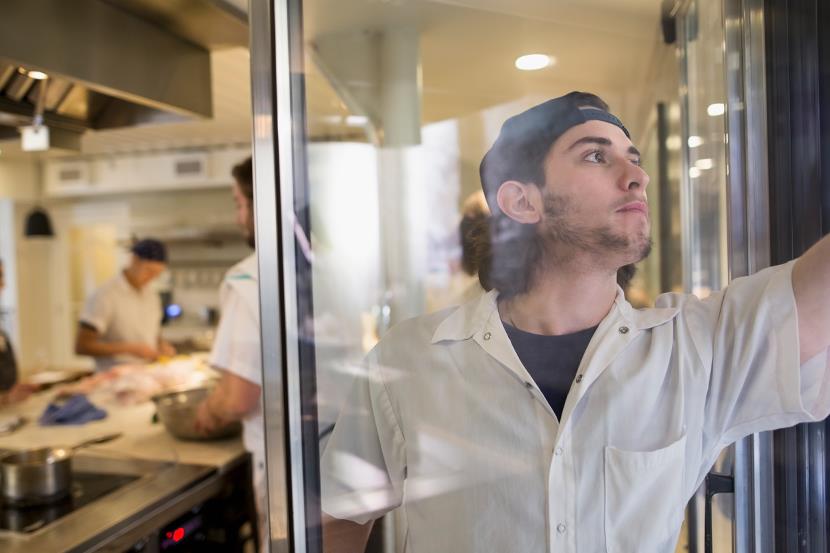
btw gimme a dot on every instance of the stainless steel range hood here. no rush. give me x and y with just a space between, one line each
111 63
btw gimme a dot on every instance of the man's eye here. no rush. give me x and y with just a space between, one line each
595 157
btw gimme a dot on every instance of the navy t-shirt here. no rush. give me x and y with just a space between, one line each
552 361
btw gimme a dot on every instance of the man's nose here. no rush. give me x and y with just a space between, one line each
635 178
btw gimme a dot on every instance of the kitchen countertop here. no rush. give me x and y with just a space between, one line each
176 473
142 439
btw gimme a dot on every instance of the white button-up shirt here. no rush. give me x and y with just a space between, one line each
121 313
448 424
236 349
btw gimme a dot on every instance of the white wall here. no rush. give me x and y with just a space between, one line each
19 179
8 295
19 183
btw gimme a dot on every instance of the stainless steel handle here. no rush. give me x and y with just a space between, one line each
715 484
99 440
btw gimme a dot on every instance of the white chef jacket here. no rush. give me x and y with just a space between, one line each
120 313
236 349
449 425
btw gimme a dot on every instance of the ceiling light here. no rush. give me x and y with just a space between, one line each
673 143
38 75
704 164
694 172
534 62
716 109
356 120
695 141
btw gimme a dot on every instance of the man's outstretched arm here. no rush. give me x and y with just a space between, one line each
811 286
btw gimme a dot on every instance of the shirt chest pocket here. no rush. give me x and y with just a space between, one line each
644 501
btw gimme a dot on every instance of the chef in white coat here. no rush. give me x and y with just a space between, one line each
121 320
236 351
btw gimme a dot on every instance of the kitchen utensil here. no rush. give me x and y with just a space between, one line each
41 475
177 412
10 423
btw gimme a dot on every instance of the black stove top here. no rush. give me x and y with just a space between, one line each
86 488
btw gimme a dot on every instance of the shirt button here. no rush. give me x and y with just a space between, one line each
561 528
558 451
623 330
487 335
578 378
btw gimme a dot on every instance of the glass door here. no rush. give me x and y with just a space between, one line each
383 111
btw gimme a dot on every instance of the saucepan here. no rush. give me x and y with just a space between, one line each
42 475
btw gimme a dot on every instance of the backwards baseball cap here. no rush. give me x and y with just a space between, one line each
150 249
525 139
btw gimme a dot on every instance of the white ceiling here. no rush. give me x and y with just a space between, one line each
468 48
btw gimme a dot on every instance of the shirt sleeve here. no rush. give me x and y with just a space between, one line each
748 336
363 466
97 311
236 347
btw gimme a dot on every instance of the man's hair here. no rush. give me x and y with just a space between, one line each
508 253
150 249
473 216
243 174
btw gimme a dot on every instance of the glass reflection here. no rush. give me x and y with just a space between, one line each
535 410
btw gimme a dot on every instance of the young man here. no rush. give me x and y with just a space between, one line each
548 414
121 321
237 353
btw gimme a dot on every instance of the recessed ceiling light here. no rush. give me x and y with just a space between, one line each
695 141
716 109
38 75
534 62
694 172
704 164
673 143
356 120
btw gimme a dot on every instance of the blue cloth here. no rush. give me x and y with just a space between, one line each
75 410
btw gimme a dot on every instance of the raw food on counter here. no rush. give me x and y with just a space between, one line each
136 383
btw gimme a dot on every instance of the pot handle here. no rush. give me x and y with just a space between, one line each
99 440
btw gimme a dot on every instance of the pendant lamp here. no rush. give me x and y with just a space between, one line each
38 224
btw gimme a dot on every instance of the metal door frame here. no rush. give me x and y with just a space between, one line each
278 150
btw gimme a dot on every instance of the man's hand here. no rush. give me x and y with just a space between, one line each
206 422
20 392
166 348
233 399
143 351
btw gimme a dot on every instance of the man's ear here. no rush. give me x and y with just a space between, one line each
521 202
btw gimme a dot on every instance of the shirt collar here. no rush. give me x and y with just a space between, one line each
472 316
247 269
125 284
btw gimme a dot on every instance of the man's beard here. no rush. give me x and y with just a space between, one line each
249 233
563 240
